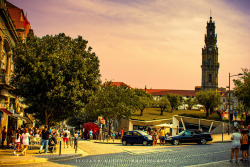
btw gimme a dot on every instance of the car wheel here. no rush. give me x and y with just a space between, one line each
144 142
203 141
124 142
176 142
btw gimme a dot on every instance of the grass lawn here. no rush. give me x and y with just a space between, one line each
154 114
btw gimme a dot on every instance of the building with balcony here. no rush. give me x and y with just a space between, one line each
11 107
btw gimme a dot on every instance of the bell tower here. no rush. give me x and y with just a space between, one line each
210 64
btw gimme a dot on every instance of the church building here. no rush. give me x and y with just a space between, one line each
210 64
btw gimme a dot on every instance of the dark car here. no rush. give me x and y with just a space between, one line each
190 136
136 137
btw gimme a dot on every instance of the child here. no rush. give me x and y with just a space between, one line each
18 142
155 137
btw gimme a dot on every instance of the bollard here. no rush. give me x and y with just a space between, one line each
75 146
74 143
60 148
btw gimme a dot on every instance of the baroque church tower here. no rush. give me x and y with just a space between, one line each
210 64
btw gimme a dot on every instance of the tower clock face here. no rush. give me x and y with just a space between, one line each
210 49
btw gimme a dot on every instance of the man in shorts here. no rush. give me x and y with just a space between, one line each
162 136
236 137
66 136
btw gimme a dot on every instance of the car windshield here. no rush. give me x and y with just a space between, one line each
181 133
143 133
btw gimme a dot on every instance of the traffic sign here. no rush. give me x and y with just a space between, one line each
102 121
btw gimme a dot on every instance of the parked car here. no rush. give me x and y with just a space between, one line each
136 137
190 136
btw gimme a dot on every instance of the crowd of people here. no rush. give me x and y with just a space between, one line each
19 139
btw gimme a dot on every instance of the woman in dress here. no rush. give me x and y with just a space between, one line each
18 142
25 137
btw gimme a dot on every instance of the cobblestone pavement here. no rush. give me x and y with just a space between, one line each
216 154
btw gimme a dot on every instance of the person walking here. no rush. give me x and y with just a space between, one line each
3 135
244 146
45 140
162 136
66 136
121 131
235 115
9 134
223 115
90 134
25 141
236 138
113 136
155 137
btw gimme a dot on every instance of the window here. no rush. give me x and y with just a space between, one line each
210 78
188 133
129 133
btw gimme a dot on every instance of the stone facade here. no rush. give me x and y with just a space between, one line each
11 107
210 65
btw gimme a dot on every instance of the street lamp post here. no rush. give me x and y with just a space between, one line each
229 102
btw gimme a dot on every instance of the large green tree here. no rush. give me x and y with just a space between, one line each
242 90
112 102
55 75
163 104
175 100
145 100
209 99
190 102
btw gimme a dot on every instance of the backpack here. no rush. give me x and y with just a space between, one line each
65 134
245 139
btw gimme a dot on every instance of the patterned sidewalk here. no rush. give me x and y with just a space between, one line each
32 155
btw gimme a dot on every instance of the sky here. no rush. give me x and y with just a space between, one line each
152 43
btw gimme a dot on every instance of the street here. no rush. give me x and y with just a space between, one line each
214 154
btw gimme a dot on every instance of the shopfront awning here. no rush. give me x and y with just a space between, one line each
164 125
6 111
20 117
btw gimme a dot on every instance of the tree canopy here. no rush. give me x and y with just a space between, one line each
145 99
55 75
112 102
209 99
164 104
175 100
190 102
242 89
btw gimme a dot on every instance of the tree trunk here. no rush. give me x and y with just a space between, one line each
109 125
46 119
207 112
141 112
211 110
161 111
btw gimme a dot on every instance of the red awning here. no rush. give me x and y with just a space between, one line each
6 111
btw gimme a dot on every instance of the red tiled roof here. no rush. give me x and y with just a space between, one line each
164 92
120 84
20 20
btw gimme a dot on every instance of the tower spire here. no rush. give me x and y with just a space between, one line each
210 15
